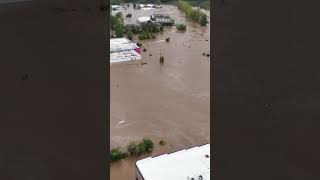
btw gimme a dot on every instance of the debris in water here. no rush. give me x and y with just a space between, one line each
208 55
144 50
168 39
121 122
139 44
204 54
150 54
144 63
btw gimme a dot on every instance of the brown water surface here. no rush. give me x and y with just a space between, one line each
168 102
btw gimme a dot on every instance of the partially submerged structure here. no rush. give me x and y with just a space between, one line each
123 44
122 49
187 164
164 20
123 56
143 19
115 9
148 6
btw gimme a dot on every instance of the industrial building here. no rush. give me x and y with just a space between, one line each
122 49
187 164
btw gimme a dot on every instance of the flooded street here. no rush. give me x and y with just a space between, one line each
168 102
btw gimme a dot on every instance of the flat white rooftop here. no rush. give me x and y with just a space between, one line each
143 19
181 165
124 56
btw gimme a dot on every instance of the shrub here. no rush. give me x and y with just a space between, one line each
129 35
162 143
116 154
203 20
120 31
181 27
145 35
135 149
138 149
148 144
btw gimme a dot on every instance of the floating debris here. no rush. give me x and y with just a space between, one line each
204 54
144 63
129 15
150 54
208 55
168 39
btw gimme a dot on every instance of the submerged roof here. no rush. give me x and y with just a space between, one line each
181 165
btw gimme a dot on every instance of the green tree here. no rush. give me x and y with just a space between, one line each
119 31
203 19
129 35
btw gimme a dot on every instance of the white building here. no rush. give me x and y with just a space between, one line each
187 164
122 49
143 19
123 44
124 56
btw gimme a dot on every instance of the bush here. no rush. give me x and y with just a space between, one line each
145 35
129 35
138 149
203 20
120 31
181 27
116 154
135 149
148 144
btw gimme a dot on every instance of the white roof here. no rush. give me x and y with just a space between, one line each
181 165
121 44
124 56
119 41
144 19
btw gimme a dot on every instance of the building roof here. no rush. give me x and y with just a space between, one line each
180 165
121 44
124 56
144 19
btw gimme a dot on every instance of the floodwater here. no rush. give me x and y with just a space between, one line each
168 102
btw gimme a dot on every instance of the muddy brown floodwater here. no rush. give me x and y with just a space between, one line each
168 102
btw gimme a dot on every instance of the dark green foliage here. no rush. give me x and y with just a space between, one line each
181 27
116 154
114 22
145 35
138 149
129 35
135 29
196 15
148 145
120 31
203 20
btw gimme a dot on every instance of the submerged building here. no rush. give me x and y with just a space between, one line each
122 49
187 164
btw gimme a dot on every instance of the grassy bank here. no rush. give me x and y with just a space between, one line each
194 14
